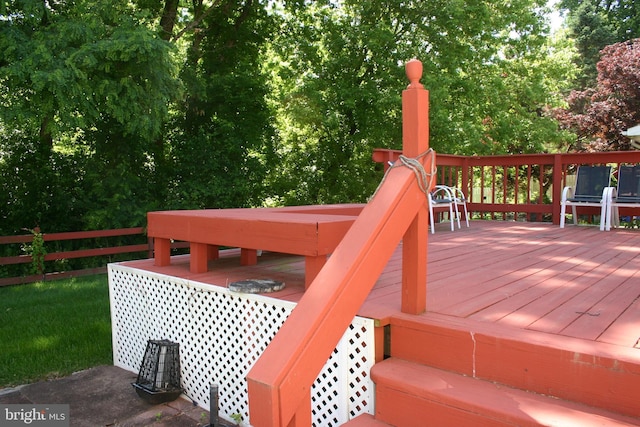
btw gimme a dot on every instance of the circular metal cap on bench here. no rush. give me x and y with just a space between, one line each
256 286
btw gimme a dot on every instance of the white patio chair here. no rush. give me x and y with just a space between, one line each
626 194
591 189
442 197
460 202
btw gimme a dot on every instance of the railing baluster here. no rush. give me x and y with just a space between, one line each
476 172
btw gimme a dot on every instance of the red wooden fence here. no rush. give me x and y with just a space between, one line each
71 254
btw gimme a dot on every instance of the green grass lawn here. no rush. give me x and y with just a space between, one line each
52 329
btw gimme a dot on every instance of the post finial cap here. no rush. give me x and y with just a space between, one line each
413 69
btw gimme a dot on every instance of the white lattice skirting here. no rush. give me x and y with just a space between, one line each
222 334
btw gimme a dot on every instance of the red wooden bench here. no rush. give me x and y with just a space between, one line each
311 231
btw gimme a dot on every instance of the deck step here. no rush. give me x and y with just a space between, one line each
596 374
413 395
365 420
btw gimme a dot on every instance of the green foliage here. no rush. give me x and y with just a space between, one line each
82 85
592 31
599 115
491 71
75 68
109 110
237 418
595 24
221 154
37 251
632 223
38 189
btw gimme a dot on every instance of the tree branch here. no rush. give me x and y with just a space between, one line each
196 21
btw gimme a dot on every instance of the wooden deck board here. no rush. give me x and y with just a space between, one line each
498 291
594 322
551 286
497 287
555 306
581 304
624 331
523 275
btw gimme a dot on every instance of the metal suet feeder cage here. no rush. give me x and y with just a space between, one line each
159 375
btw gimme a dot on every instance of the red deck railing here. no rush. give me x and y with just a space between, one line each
519 186
279 383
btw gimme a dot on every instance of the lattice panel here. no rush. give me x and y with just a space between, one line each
222 334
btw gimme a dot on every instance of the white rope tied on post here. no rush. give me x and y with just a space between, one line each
424 178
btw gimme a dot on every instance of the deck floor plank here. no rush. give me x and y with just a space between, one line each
557 284
557 315
581 304
594 322
624 331
505 294
502 280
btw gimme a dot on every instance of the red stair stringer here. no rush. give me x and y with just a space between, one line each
596 374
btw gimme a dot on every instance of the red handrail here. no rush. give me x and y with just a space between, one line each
279 383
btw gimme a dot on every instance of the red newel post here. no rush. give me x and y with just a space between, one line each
415 141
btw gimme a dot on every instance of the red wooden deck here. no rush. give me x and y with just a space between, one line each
575 282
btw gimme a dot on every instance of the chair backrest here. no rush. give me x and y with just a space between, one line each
628 184
441 194
591 182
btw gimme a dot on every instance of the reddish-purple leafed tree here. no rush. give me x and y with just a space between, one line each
599 115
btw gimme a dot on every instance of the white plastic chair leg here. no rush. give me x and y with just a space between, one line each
466 214
433 230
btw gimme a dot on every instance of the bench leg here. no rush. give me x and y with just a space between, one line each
312 266
248 256
161 252
199 257
213 252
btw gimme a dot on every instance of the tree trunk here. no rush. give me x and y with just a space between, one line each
168 19
45 136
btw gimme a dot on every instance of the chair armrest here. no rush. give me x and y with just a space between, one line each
442 192
458 194
567 193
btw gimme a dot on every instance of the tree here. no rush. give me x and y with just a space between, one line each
80 79
111 109
487 65
599 114
595 24
222 150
